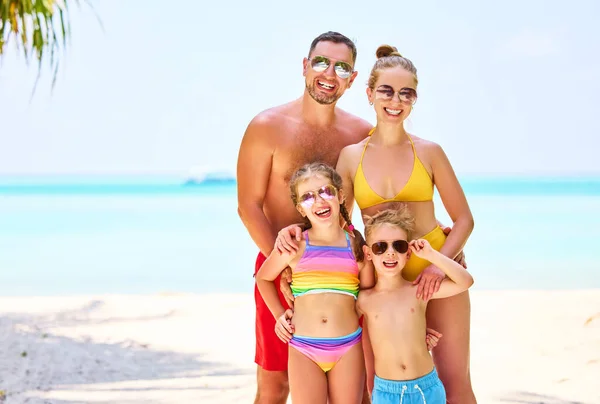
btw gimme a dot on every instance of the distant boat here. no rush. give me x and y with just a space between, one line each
203 176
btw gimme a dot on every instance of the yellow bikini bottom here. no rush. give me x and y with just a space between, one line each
415 265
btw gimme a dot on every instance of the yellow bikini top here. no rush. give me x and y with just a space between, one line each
419 187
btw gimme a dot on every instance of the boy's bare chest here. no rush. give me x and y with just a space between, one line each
396 309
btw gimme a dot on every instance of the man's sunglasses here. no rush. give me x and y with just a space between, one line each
326 192
321 63
406 95
380 247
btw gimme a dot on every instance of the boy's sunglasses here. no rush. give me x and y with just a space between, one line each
380 247
326 192
406 95
321 63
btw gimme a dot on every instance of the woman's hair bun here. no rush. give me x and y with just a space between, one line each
387 50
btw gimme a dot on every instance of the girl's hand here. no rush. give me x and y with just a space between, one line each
283 326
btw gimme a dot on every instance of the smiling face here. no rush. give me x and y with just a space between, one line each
393 95
326 86
387 261
319 201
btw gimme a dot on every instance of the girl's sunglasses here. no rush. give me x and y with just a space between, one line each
326 192
321 63
380 247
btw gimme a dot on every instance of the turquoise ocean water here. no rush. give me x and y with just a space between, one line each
66 236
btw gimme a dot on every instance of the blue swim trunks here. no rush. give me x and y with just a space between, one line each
427 389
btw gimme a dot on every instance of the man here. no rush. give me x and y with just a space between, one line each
277 142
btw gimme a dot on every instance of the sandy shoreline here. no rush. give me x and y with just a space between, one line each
527 347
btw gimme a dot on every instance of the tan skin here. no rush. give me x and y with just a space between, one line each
277 142
387 166
394 314
318 315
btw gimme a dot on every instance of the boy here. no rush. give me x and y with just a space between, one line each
395 318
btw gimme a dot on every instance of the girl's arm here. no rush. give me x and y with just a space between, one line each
270 269
366 276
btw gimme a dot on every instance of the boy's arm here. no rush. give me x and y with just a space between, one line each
459 279
270 269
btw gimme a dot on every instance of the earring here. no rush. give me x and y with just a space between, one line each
370 102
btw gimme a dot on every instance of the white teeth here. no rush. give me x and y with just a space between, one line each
393 111
329 86
322 211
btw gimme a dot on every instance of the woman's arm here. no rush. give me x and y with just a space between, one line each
454 201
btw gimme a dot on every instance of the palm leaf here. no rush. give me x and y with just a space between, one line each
38 27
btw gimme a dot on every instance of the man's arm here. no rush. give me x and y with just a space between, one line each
254 164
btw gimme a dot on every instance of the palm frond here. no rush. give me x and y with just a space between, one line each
38 28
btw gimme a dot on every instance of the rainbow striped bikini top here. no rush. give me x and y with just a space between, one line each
324 269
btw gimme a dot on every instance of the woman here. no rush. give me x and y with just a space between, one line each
391 167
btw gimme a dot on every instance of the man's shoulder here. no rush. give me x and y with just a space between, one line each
273 116
359 124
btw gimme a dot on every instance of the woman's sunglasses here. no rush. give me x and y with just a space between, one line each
321 63
380 247
406 95
326 192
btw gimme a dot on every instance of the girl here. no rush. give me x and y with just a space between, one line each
325 356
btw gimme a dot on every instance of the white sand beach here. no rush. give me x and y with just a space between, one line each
527 347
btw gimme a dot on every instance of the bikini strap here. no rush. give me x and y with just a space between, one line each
413 145
365 148
348 243
305 234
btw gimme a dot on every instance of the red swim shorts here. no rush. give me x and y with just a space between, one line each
271 352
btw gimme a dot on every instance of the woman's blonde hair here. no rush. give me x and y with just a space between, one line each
387 57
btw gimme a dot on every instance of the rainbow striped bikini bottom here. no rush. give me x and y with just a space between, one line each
326 352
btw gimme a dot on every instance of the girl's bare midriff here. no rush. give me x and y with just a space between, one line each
324 315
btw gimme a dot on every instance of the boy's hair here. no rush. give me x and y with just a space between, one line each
399 217
324 170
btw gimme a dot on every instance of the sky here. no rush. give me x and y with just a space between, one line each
506 88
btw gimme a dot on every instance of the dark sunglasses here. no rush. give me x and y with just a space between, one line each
407 95
321 63
380 247
326 192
